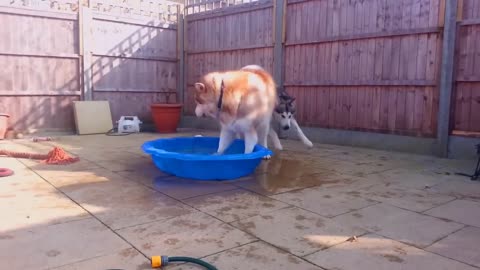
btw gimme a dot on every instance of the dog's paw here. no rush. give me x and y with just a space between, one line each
267 157
309 144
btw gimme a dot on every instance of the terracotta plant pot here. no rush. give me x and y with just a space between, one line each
3 124
166 117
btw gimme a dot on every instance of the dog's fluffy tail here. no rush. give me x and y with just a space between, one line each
280 92
253 67
263 73
260 71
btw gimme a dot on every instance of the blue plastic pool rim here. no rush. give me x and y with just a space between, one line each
258 151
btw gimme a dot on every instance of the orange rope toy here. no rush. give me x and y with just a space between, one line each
57 156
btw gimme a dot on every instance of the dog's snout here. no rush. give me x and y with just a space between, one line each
286 128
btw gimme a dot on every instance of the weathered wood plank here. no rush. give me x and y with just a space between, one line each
384 108
331 106
387 61
463 107
410 109
392 109
475 108
401 119
369 120
376 107
419 108
432 57
428 100
434 12
361 108
412 57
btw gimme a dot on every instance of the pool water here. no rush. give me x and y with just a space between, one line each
198 150
199 146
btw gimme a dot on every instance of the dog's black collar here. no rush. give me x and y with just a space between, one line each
220 99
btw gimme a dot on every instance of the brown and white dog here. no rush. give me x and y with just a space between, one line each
242 101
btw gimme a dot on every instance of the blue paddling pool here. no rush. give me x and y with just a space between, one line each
194 158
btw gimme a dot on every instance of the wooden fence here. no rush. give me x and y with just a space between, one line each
39 77
466 106
368 65
133 63
52 55
364 65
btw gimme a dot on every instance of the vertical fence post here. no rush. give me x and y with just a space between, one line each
181 55
85 30
279 7
446 79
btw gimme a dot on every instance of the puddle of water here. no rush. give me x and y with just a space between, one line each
286 172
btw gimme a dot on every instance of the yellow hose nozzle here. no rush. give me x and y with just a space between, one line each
156 261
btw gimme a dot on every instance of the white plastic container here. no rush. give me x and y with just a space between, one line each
129 124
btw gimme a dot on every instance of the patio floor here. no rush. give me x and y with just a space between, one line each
330 207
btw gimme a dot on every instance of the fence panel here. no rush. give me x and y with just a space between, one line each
39 78
466 100
368 65
44 47
134 64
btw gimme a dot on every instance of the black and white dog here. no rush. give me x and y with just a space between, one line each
284 119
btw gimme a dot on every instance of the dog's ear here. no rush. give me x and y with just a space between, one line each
200 87
292 99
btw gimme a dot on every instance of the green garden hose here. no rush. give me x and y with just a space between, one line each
161 261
